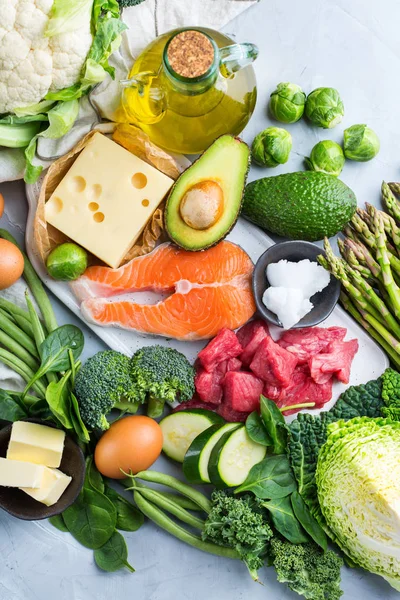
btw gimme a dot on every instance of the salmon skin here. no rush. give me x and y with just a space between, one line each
209 290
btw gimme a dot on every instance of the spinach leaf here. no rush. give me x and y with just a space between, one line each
10 409
284 520
93 479
113 555
59 401
256 430
58 522
79 426
275 425
308 522
271 478
91 519
129 518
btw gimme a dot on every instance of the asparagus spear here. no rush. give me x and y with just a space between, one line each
383 259
350 257
364 256
395 187
389 223
391 202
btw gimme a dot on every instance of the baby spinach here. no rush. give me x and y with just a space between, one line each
79 426
284 520
58 399
55 351
113 555
309 523
91 519
271 478
129 518
10 408
275 425
93 479
256 430
58 522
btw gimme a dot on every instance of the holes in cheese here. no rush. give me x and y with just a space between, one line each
145 202
93 206
77 184
94 191
99 217
56 205
139 181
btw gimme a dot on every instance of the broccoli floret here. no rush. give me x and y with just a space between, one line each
307 570
104 383
161 375
126 3
391 395
239 524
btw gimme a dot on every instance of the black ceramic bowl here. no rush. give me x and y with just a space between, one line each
22 506
324 302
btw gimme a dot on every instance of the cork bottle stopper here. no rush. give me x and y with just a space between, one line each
190 54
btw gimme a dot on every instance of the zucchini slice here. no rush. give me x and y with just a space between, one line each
181 428
195 464
233 457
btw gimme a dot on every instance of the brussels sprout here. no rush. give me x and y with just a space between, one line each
271 147
324 107
67 262
360 143
287 102
327 157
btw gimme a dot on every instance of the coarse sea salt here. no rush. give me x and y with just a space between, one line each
292 284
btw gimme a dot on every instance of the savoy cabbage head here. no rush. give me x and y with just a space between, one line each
358 484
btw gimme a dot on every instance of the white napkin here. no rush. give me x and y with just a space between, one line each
145 22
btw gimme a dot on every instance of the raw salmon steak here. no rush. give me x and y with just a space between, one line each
208 290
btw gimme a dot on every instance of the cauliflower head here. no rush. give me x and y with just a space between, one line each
32 62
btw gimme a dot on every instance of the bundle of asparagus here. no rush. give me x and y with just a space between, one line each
369 270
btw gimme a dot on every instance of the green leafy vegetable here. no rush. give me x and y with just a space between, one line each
270 479
93 479
256 430
91 519
271 147
307 521
307 570
113 556
326 157
324 107
360 143
274 424
285 521
287 102
58 399
79 426
58 522
391 394
129 518
10 408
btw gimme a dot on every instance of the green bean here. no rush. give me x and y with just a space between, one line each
10 344
24 324
171 482
182 501
168 505
8 316
162 520
35 285
13 309
17 334
17 365
38 332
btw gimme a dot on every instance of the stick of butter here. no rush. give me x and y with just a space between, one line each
53 486
16 473
106 198
36 443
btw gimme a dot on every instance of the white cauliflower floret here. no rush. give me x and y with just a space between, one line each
32 64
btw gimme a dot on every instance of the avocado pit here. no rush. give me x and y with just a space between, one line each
202 205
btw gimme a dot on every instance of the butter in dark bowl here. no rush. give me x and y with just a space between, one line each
294 251
21 505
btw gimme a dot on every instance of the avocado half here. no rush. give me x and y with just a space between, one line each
204 203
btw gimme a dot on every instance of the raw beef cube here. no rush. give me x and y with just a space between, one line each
273 392
225 345
232 364
336 361
208 386
304 389
195 402
230 415
250 337
273 364
242 391
308 342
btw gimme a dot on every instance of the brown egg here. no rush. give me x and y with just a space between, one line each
131 444
11 264
1 205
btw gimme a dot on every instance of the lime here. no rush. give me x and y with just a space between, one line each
67 262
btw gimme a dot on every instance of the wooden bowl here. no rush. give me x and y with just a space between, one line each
22 506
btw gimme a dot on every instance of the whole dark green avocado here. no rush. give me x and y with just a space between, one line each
308 205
